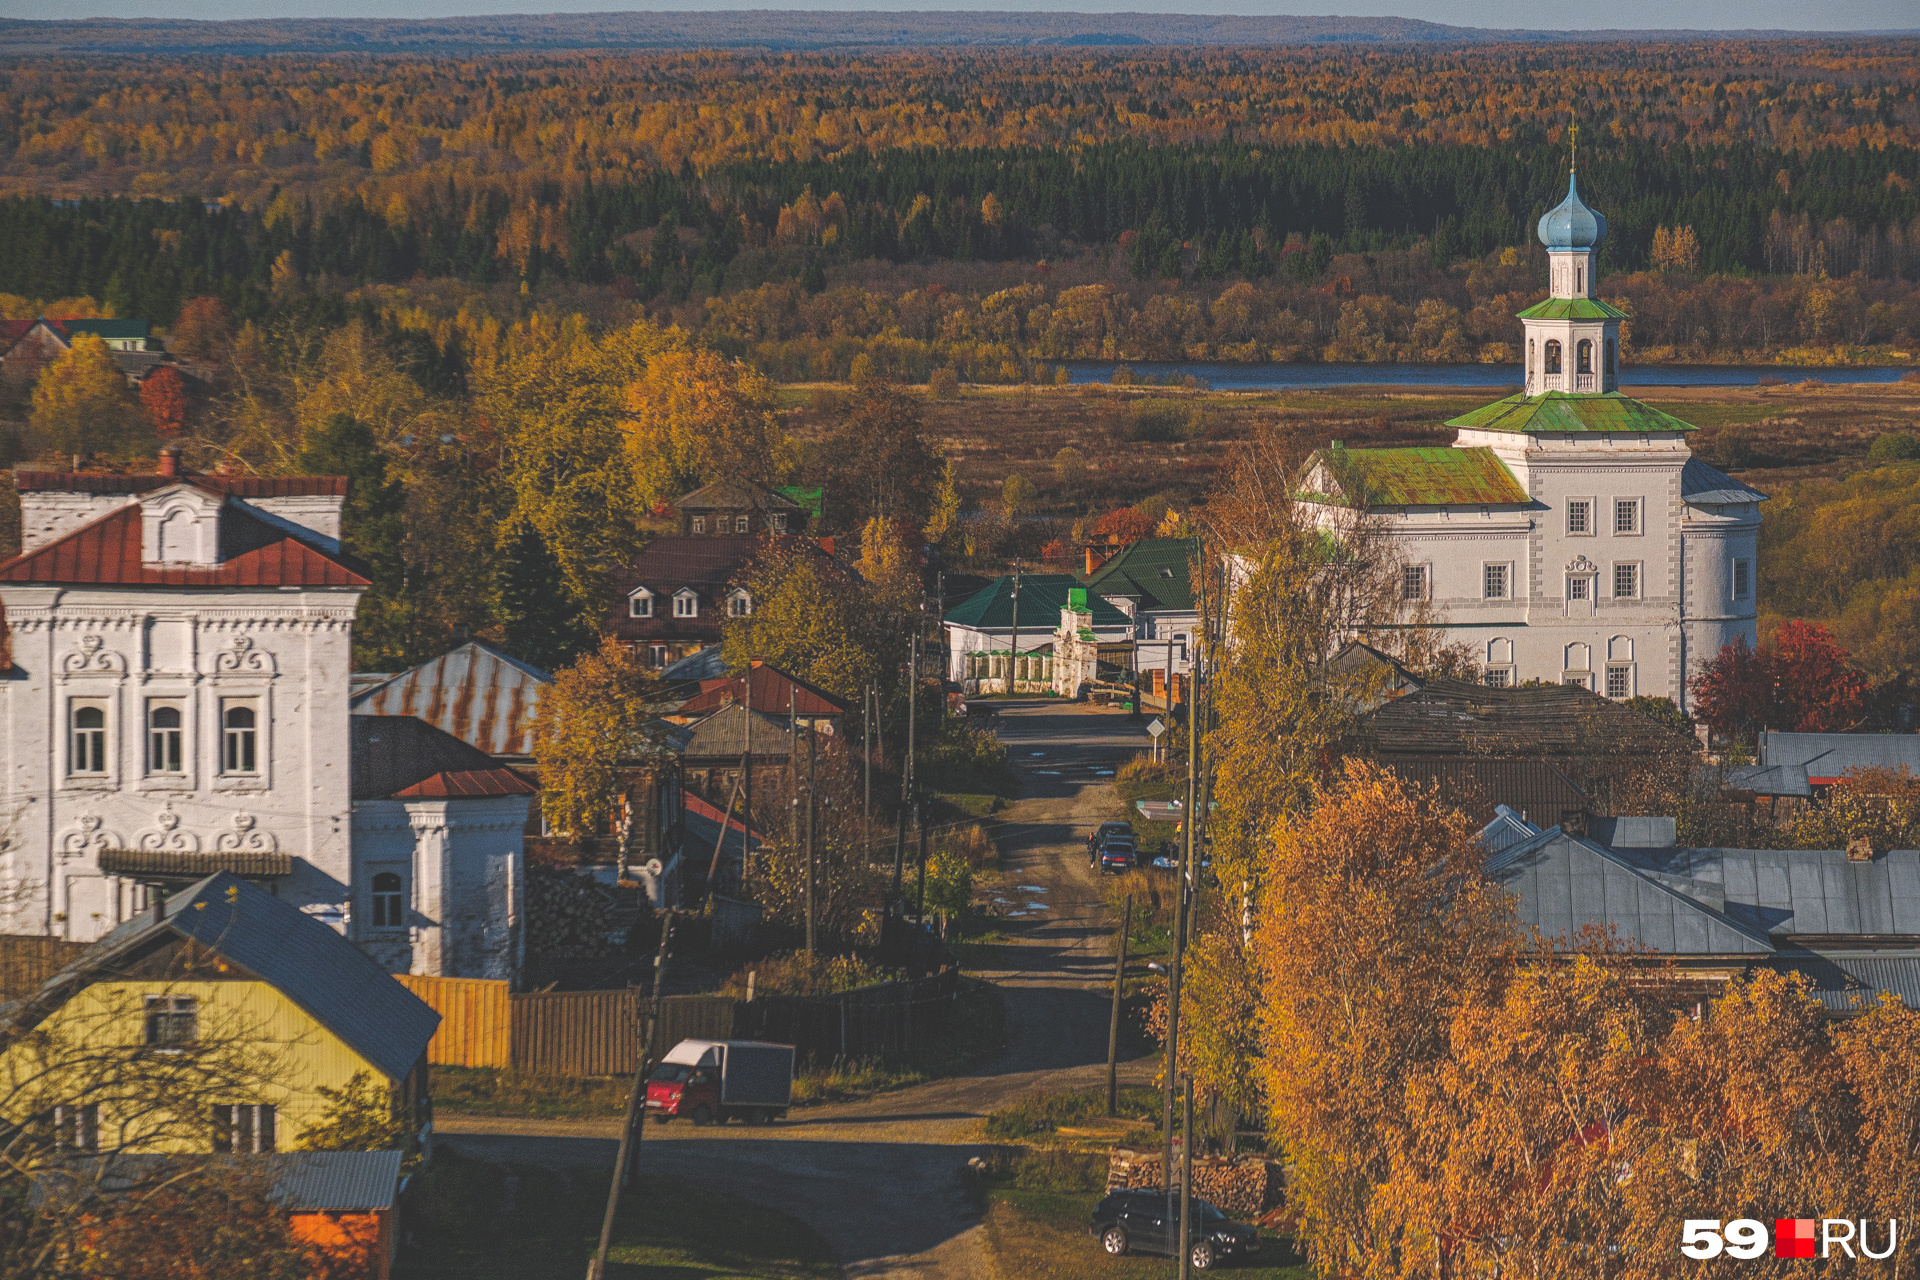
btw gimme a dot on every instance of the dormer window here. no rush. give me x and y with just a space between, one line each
180 525
686 604
640 603
779 521
739 603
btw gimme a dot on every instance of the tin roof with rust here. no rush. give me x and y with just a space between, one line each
253 553
226 486
768 689
403 758
480 695
1414 477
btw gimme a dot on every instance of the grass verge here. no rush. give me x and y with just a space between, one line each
487 1091
470 1220
1038 1206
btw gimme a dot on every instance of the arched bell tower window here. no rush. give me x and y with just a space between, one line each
1553 357
1583 356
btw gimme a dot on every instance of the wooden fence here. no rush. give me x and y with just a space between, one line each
28 960
597 1033
476 1020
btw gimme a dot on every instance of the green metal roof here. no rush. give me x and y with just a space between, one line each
1154 571
1572 309
809 500
1424 477
1569 413
1042 597
114 329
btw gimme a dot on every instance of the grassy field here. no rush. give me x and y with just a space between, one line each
475 1221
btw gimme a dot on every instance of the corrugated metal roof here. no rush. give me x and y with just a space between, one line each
1534 789
1572 309
253 553
1852 983
478 694
768 689
1458 718
116 329
1042 597
1700 483
302 1181
1796 762
404 758
1155 572
310 964
722 736
1783 892
1570 413
225 486
193 866
1413 477
731 494
702 664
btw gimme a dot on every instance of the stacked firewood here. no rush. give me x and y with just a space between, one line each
1241 1187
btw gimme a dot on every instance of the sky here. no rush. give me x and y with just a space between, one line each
1792 15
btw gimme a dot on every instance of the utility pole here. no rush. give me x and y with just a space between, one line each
1187 881
920 818
1113 1026
813 773
1013 663
869 702
630 1134
793 774
1186 1186
746 795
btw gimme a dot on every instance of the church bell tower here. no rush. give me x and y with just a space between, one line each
1573 338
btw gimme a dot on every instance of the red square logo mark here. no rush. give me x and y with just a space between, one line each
1793 1237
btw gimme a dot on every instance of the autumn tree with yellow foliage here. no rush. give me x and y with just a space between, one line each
599 715
693 417
83 405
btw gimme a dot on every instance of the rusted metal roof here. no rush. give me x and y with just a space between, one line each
143 863
482 696
253 553
225 486
769 690
404 758
1417 477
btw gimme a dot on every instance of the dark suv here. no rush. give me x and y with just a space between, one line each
1149 1222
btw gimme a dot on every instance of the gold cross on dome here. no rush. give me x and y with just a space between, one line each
1573 147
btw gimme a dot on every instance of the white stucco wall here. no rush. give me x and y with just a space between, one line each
286 653
463 872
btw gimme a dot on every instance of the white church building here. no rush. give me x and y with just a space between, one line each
176 703
1568 534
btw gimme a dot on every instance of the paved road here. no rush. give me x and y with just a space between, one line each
881 1179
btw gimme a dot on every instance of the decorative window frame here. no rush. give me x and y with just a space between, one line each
689 597
1639 506
109 706
1740 578
1425 591
636 598
739 603
1639 580
698 524
743 524
1593 516
261 779
1506 579
1625 672
185 780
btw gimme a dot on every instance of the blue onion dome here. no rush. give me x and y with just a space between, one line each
1571 225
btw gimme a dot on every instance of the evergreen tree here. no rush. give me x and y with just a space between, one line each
536 614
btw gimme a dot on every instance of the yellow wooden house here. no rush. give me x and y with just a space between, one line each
211 1023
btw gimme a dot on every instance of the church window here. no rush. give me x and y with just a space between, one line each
1413 582
1579 279
1740 583
1580 587
388 910
1553 357
89 740
163 740
1497 677
1626 515
1494 582
240 741
1580 516
1583 357
1626 581
1619 680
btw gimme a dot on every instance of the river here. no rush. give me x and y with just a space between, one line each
1275 377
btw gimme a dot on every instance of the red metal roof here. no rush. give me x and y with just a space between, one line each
253 553
225 486
11 331
462 783
768 689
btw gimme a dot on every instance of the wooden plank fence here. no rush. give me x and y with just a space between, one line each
28 960
476 1020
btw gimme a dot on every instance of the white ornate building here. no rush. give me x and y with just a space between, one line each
1568 534
178 698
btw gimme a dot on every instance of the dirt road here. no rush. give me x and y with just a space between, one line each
881 1179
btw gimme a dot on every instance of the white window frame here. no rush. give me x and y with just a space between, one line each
1742 584
1623 673
387 907
1580 586
1638 506
1418 576
743 524
1500 677
699 524
739 603
686 604
1505 569
1592 506
98 745
640 603
778 521
252 1128
657 655
1639 581
181 749
257 731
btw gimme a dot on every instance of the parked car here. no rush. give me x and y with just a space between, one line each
1118 853
1098 836
1149 1222
712 1081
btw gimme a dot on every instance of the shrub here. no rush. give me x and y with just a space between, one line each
1160 421
1895 446
943 384
1040 1113
797 974
967 759
1069 465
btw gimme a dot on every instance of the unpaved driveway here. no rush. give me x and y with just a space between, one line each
880 1179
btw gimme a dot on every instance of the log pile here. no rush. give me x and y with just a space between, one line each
1242 1187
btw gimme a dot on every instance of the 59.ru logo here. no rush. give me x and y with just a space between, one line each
1744 1238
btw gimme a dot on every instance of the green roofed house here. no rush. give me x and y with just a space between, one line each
1023 611
1150 581
1568 534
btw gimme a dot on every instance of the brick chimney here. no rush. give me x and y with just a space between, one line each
1097 556
170 461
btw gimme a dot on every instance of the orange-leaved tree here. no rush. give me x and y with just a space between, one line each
82 401
163 395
